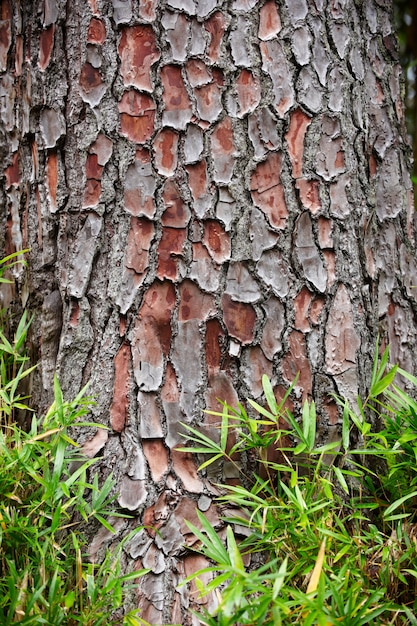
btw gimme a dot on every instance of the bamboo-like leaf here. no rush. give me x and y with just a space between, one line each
345 427
326 447
209 461
280 577
309 424
12 257
341 479
233 550
318 566
408 376
398 503
381 385
269 395
299 449
104 523
260 409
224 429
213 546
292 422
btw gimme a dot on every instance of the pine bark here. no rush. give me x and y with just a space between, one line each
210 191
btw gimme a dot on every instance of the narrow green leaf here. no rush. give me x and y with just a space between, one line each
269 395
104 523
345 427
380 386
398 503
408 376
234 553
341 478
280 577
262 410
224 429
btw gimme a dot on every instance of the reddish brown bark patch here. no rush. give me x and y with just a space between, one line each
248 92
309 194
256 366
197 179
5 35
18 57
90 78
209 101
96 31
330 258
165 147
316 310
194 304
267 191
223 151
138 52
12 172
52 178
373 165
269 21
332 411
92 193
197 73
302 303
169 391
92 167
220 388
119 409
325 227
296 362
185 468
92 446
176 214
137 116
217 241
139 241
147 10
170 248
215 26
103 148
239 319
178 111
46 46
75 314
158 303
157 456
213 345
295 140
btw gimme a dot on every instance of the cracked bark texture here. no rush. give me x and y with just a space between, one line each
210 191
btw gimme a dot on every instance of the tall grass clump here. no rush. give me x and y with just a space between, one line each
333 526
44 575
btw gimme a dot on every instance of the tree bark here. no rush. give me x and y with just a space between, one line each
210 191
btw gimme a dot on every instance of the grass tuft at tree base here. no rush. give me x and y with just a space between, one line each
45 577
338 538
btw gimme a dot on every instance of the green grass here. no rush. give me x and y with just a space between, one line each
45 576
337 537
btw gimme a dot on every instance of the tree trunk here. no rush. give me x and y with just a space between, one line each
210 191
